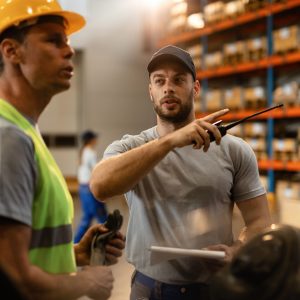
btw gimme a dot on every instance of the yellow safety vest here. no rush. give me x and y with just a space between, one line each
51 246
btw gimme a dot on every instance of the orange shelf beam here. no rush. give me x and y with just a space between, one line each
292 112
279 165
230 23
274 60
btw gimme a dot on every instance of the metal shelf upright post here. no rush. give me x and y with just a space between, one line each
204 81
270 87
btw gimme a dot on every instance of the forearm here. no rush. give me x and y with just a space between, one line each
40 285
116 175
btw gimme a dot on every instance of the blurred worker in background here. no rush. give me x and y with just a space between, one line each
91 207
177 195
36 208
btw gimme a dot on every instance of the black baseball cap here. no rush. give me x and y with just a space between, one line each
172 52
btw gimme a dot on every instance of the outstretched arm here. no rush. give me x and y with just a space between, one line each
118 174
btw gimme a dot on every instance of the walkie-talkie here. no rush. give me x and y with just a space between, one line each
223 128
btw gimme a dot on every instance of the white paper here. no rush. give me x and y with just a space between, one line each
159 254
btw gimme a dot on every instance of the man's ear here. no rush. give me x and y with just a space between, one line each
196 88
10 50
150 93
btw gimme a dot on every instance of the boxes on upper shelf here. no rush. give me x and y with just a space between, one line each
286 39
214 12
234 8
251 5
178 17
196 53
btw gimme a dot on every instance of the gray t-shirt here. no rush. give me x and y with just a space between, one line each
186 201
18 173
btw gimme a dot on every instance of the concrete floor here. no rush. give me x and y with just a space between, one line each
122 270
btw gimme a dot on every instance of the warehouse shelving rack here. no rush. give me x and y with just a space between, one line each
268 63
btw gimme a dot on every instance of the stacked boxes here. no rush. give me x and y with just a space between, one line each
288 94
234 53
251 5
233 98
214 12
286 39
196 53
213 60
178 19
255 97
257 48
285 149
213 99
233 9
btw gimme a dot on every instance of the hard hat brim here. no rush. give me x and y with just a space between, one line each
74 21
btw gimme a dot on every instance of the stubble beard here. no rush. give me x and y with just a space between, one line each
181 116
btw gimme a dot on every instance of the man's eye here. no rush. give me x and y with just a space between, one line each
158 81
179 80
58 41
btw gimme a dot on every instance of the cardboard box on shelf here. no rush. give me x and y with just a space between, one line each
287 190
288 94
257 144
196 53
214 12
213 60
255 129
234 53
237 130
178 18
255 97
257 48
286 39
233 98
234 8
213 100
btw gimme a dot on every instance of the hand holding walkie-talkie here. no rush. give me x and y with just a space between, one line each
100 240
223 128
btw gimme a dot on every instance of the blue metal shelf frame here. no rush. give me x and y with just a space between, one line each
204 43
270 87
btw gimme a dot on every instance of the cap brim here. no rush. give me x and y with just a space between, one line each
162 57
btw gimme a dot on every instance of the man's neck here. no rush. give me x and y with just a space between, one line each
25 100
165 127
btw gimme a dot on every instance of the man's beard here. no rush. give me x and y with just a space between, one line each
181 116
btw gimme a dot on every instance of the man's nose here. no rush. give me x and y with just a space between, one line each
169 87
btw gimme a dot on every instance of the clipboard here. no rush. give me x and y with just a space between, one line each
159 254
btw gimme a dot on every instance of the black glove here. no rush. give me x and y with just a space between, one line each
113 224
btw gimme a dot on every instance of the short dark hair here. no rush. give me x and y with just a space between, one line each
19 32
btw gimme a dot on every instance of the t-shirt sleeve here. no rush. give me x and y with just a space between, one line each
117 147
18 175
247 184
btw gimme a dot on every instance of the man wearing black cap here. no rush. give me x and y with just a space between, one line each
179 196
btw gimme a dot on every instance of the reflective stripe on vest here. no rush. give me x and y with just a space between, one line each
52 207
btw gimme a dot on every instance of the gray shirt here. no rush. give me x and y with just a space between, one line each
186 201
18 173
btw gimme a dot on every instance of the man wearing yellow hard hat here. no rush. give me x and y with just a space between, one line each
36 209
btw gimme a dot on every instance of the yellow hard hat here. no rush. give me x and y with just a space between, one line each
12 12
